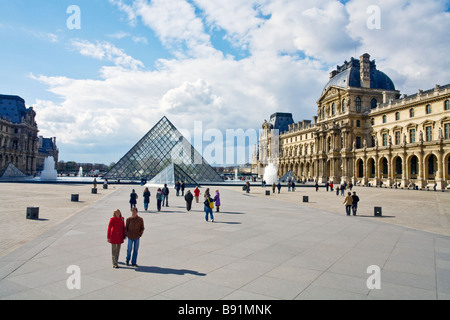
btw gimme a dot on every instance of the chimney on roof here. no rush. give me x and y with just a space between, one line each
365 70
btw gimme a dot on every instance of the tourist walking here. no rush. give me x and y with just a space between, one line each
134 229
165 192
279 186
273 187
348 203
159 199
116 235
146 195
196 193
337 190
342 189
183 186
178 187
217 200
317 186
188 197
133 199
293 186
208 206
355 200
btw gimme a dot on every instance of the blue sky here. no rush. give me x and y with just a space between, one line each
229 64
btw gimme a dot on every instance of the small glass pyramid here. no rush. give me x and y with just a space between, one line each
164 152
11 171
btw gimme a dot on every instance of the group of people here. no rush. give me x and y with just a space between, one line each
351 203
119 230
133 228
162 198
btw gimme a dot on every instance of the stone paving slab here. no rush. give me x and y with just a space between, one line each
258 248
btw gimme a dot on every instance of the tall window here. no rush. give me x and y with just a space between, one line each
333 109
358 142
429 133
385 139
358 104
412 135
344 105
397 137
447 131
411 113
397 116
447 105
428 109
384 119
414 161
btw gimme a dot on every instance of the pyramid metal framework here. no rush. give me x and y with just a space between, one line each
164 152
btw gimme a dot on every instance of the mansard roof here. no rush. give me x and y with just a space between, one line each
348 75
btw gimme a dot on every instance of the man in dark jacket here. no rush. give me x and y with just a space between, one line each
165 192
355 203
188 197
134 228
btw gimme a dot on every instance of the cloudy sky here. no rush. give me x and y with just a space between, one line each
101 74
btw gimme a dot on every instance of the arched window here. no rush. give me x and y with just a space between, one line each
428 109
373 103
397 116
384 119
358 104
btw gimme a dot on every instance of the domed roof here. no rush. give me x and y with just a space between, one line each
349 75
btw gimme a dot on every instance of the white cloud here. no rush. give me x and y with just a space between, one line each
128 9
106 51
190 97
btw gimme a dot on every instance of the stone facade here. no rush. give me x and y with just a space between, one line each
366 132
18 134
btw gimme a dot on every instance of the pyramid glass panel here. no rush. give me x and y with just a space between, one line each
161 147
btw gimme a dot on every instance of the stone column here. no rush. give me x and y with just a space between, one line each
421 174
440 173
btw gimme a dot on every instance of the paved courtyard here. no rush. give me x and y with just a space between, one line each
259 247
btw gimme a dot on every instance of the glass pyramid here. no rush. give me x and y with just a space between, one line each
11 171
164 152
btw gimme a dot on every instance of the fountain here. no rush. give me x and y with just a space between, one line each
80 172
49 172
270 174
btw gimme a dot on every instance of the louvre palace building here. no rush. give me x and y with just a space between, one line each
365 132
20 145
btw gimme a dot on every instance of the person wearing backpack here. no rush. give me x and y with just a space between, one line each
159 199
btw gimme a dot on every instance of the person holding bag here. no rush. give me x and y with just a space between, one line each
208 206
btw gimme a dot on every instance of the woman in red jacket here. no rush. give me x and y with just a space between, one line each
116 235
